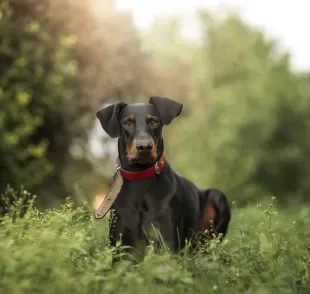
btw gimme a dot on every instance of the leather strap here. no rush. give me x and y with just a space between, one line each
111 196
117 184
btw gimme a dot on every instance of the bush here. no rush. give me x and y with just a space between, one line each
66 250
251 113
59 63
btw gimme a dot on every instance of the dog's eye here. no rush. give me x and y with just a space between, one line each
153 123
128 123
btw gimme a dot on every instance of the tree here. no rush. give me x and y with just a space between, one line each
173 62
245 135
59 63
34 71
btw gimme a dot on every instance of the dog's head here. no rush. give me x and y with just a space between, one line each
139 126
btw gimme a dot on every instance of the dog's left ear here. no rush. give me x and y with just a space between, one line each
168 109
108 118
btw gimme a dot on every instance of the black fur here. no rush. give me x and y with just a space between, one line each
168 201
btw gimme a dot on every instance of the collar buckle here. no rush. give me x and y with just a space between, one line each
157 169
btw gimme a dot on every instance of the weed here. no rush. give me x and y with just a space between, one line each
67 251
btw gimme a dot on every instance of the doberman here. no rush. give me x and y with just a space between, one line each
152 194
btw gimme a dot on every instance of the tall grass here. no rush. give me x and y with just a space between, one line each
66 251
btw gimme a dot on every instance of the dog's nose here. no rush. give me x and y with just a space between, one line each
144 146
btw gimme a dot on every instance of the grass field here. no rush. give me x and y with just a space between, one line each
65 251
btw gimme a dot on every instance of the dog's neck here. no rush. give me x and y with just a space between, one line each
127 165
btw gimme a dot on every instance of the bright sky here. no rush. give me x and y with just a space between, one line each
285 20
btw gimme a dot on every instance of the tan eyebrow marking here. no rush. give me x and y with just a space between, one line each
131 117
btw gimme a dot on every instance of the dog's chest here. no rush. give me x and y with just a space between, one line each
142 202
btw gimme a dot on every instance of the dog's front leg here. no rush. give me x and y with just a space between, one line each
161 232
116 233
123 233
168 232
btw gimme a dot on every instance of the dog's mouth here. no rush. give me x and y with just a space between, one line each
142 159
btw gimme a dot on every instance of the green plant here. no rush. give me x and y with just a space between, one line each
66 251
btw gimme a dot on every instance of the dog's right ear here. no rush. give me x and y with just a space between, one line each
108 118
168 109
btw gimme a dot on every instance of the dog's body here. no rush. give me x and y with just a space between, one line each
162 199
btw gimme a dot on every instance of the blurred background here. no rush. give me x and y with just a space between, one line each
241 68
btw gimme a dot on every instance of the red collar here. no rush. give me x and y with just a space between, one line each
148 173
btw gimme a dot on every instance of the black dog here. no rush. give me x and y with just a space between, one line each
153 195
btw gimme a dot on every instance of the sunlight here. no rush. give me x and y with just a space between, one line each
280 23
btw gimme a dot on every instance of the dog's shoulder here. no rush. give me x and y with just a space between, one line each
185 184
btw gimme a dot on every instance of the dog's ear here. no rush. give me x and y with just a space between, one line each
168 109
108 118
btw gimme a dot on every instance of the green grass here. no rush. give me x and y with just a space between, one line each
65 251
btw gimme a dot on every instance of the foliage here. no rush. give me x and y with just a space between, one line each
59 62
174 61
66 250
250 114
26 85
